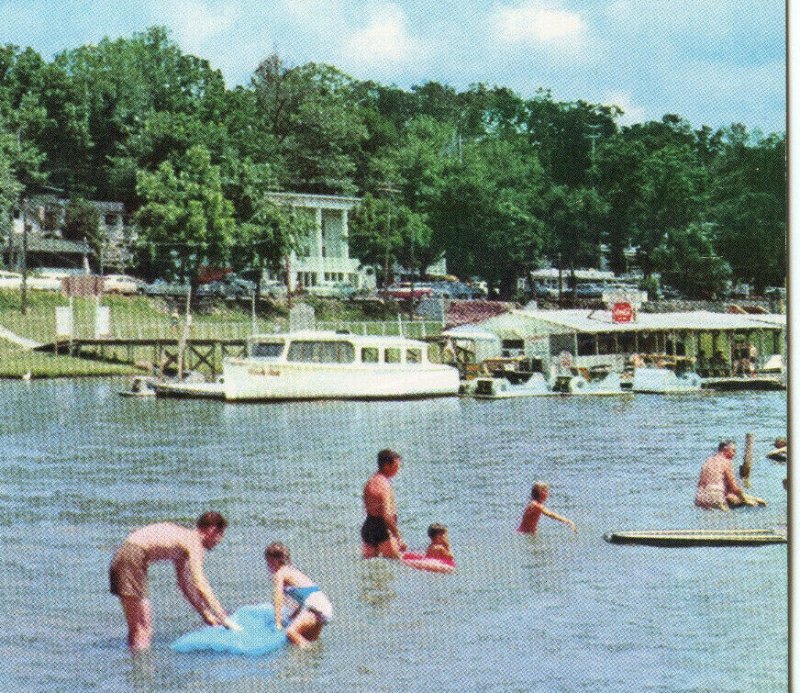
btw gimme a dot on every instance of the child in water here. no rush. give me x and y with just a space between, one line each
440 544
536 508
314 609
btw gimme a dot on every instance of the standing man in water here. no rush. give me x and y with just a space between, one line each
379 532
186 548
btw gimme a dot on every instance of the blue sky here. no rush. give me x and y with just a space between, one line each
714 62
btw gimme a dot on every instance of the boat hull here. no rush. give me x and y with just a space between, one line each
251 380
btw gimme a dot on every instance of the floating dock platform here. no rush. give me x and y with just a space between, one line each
698 537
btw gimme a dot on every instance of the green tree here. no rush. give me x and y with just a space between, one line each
185 222
384 232
687 261
311 113
749 206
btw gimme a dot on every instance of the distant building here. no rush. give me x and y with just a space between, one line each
45 216
322 265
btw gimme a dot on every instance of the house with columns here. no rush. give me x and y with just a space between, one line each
322 264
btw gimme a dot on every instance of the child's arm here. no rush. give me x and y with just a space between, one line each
277 598
560 518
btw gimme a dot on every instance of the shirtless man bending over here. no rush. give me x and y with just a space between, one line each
186 548
379 532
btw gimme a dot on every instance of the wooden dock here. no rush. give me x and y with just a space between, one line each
201 354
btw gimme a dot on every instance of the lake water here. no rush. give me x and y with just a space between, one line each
82 466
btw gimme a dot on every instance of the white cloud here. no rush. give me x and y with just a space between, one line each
633 113
531 22
194 22
384 40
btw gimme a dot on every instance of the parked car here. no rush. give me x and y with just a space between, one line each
544 291
122 284
230 287
404 291
589 291
13 280
161 287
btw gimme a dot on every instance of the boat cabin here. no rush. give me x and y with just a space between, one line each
335 347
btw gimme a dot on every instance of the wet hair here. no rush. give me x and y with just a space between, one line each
724 444
279 552
211 519
386 457
435 530
537 490
780 442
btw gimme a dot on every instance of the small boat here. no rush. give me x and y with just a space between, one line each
745 382
665 381
503 388
141 386
608 384
315 364
698 537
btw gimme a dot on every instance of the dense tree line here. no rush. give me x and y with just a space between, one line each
497 182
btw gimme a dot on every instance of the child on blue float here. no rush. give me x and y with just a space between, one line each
313 610
536 508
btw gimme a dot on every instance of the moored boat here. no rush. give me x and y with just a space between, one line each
503 388
665 381
334 365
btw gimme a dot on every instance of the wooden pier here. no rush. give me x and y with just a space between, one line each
200 354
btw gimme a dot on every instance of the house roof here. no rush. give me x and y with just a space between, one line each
471 312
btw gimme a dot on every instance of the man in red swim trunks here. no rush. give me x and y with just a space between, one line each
379 532
186 548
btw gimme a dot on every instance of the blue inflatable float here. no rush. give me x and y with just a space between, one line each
257 637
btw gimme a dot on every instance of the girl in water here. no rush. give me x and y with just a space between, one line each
313 607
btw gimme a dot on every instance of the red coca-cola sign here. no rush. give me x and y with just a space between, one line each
622 312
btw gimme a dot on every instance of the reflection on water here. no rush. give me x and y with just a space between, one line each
377 577
82 466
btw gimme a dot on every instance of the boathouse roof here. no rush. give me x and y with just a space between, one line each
592 321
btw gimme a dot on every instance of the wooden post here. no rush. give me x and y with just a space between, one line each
747 462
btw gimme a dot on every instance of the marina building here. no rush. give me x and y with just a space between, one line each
712 344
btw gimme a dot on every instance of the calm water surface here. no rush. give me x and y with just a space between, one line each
82 466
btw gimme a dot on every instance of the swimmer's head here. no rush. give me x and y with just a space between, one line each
727 447
211 526
388 462
436 530
277 555
539 491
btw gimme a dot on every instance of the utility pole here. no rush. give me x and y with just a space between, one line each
23 304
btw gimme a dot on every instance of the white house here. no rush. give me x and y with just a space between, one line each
322 264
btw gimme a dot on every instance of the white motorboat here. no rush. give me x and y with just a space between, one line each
665 381
334 365
609 384
503 388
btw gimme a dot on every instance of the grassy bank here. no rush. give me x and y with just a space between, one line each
146 317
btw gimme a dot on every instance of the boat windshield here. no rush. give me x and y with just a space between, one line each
321 352
266 350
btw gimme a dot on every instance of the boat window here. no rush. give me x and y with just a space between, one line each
266 350
391 355
414 356
369 355
321 352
